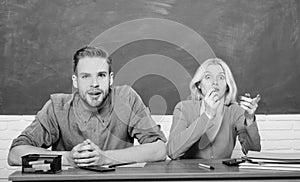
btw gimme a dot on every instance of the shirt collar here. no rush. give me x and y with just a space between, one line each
107 105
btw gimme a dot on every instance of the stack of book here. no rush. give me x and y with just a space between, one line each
272 161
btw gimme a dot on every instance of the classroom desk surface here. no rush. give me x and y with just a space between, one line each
176 170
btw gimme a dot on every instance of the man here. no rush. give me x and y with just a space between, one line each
96 125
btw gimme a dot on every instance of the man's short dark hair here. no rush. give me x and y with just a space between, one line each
90 51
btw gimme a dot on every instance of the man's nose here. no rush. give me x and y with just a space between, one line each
94 83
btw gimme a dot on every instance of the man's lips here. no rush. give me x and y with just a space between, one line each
95 92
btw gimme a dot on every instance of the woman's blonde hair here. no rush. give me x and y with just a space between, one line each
231 91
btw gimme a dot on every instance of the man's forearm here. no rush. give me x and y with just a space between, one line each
149 152
15 154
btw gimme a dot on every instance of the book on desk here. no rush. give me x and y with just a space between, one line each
272 161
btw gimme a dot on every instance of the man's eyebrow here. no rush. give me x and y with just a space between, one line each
84 73
102 72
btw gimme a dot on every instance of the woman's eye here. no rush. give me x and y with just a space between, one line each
207 77
221 77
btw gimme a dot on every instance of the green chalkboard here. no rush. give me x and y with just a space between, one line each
259 39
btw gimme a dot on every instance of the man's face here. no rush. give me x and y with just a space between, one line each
93 80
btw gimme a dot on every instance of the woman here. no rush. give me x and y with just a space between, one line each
207 126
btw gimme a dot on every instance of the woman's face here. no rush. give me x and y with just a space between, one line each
214 77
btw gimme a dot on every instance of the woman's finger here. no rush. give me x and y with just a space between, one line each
249 111
246 99
257 98
208 94
246 104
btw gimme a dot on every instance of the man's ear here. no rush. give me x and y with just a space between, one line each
111 79
74 80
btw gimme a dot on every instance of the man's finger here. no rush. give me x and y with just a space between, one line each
85 161
78 147
85 148
85 154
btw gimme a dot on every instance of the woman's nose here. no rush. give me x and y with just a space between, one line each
215 82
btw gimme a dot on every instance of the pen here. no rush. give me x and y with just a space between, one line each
206 166
121 164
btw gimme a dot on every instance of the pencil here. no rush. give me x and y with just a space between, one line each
206 166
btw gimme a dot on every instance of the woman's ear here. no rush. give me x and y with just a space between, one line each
199 90
200 94
197 85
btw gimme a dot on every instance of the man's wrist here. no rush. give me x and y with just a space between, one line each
106 157
66 158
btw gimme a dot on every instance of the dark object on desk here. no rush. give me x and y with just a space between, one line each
41 163
121 164
233 162
98 168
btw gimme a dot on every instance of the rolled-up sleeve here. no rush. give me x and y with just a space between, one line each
42 132
185 133
141 125
248 135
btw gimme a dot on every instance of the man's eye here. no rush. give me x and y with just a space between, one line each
102 75
84 76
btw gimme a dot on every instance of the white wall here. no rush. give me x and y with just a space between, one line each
279 133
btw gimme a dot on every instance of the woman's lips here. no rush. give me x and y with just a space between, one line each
216 89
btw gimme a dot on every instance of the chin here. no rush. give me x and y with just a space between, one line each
95 103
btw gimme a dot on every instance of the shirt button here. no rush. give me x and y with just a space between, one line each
94 130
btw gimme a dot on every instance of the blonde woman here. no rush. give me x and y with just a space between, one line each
207 125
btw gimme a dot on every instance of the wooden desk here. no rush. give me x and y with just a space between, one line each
178 170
